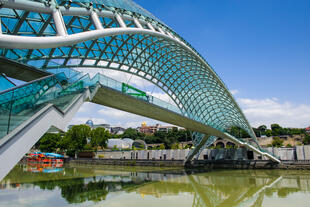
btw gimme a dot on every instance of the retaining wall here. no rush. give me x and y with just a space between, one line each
298 153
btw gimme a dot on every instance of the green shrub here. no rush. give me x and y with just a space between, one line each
161 147
277 142
175 146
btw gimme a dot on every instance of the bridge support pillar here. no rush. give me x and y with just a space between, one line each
197 149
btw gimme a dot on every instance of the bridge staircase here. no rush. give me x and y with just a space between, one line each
29 110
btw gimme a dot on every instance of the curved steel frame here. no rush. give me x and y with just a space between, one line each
78 37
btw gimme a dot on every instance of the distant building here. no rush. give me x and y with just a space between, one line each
147 129
91 124
152 129
126 143
165 128
120 143
308 130
117 130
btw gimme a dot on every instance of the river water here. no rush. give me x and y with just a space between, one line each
159 187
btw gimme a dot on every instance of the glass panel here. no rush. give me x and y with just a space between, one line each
22 102
5 83
5 112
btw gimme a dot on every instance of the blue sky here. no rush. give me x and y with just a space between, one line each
260 49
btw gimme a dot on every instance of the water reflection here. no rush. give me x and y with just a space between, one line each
78 185
43 167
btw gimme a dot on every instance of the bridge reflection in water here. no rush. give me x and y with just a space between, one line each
215 188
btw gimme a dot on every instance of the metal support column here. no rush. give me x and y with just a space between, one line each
194 151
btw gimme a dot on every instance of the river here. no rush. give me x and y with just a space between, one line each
159 187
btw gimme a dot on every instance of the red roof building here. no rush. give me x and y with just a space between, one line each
308 129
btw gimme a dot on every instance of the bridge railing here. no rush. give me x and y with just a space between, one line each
20 103
116 85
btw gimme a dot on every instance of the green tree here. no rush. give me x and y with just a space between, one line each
132 134
238 132
277 142
75 139
306 139
49 142
257 132
151 139
268 133
277 130
262 128
99 137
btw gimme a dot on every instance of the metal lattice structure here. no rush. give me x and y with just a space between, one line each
119 35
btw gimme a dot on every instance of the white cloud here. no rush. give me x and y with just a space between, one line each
163 97
87 107
124 119
271 110
234 91
119 76
111 112
127 78
140 82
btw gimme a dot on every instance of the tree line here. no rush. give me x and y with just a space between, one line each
170 139
78 138
275 130
82 137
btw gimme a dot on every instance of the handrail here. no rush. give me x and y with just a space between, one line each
28 83
4 76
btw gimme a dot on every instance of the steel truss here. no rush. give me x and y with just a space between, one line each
82 34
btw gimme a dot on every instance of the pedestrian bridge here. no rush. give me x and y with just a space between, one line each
42 42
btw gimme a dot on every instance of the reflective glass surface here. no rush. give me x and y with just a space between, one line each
5 83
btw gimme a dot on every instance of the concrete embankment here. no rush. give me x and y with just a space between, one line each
209 164
123 162
292 158
248 164
298 153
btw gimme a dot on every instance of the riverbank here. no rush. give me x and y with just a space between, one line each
124 162
296 154
209 164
